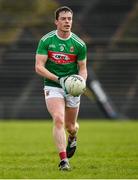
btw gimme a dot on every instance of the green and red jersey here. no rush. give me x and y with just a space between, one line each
63 54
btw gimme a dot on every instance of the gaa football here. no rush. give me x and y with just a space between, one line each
75 85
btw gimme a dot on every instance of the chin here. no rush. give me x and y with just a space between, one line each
66 30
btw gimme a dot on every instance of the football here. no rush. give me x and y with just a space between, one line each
75 85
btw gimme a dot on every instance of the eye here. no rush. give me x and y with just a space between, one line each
69 18
63 18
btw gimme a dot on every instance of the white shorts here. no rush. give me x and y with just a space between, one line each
51 92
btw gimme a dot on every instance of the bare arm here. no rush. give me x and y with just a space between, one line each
82 69
41 70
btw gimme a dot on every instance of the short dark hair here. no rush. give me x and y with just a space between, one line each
60 9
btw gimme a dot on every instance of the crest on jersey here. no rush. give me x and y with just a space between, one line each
71 49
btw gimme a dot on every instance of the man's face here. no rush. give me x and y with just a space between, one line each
64 22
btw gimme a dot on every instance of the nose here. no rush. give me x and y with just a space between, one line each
67 20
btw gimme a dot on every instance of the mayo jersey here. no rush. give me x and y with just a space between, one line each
63 54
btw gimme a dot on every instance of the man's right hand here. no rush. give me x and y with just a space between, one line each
62 81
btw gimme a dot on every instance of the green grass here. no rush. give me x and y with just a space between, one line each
106 149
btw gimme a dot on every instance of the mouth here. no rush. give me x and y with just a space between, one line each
67 26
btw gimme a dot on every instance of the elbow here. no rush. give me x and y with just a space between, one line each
37 69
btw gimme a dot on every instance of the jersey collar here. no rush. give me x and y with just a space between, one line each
64 39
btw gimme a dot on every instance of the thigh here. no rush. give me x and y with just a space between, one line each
71 115
72 109
55 101
55 106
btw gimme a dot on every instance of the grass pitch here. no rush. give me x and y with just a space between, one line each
106 149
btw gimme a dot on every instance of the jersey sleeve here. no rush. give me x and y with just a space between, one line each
42 47
82 55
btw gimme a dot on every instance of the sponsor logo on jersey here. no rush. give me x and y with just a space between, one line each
61 58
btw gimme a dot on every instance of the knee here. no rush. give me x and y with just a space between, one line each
58 120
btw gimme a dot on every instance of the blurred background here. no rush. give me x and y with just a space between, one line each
110 30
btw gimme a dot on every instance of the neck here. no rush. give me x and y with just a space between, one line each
63 34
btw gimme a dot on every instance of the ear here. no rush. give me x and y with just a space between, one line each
56 22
